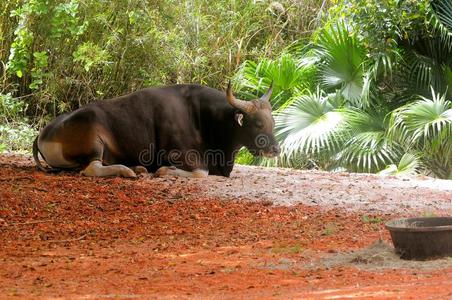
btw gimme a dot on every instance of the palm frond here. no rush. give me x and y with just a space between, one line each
382 63
424 120
310 125
426 126
420 74
442 19
409 164
287 74
368 149
423 66
343 59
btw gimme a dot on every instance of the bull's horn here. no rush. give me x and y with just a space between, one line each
267 95
245 106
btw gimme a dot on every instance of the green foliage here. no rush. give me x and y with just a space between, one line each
90 55
426 119
16 137
426 126
37 72
66 53
441 18
335 136
288 74
20 48
382 23
371 220
10 108
65 18
368 147
343 59
310 125
244 157
15 133
409 165
361 111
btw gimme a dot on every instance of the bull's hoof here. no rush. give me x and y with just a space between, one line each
128 173
164 171
140 170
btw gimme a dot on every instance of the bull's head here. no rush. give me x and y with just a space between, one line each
256 122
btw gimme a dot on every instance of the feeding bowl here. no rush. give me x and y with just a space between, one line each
422 238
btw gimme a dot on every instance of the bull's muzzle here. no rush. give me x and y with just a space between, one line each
273 151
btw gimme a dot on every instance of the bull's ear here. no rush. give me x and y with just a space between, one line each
239 118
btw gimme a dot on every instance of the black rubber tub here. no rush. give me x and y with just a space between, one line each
422 238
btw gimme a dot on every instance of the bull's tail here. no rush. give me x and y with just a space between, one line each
36 153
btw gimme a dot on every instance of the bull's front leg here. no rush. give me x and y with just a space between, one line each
95 168
188 161
173 171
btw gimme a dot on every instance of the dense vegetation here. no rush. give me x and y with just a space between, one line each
360 85
369 93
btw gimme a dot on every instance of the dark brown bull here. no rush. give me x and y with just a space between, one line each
184 130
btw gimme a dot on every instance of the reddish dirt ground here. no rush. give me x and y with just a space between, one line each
67 236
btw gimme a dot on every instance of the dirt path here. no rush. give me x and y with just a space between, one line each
352 192
264 233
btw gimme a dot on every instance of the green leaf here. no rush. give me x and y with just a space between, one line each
369 148
426 126
310 125
90 55
343 59
408 165
289 77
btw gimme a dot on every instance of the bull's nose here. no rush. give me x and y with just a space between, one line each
275 149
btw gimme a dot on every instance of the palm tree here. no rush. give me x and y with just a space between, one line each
425 126
343 64
383 112
342 129
422 124
312 125
368 148
290 76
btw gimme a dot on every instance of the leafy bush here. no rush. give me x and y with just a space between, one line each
15 133
425 126
66 53
380 102
16 137
289 76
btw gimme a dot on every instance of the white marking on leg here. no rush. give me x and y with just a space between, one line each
95 168
53 155
171 171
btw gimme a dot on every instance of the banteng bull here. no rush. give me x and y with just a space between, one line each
183 130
